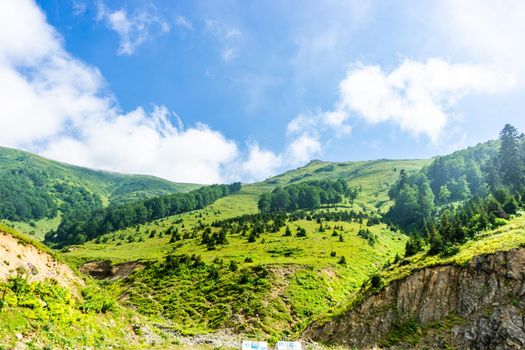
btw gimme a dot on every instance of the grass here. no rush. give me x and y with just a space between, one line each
372 177
36 228
314 280
504 238
111 187
305 277
44 315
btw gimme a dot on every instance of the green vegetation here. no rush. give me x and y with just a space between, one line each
44 315
306 272
269 258
81 225
34 190
460 195
306 195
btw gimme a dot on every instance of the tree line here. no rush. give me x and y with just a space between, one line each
458 195
80 226
306 195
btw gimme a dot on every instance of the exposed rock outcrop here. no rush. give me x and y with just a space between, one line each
486 297
104 269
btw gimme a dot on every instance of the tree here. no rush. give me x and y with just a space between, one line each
509 158
437 245
264 202
444 194
280 200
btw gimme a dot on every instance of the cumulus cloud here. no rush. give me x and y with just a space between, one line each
140 141
133 29
58 106
416 96
260 163
303 148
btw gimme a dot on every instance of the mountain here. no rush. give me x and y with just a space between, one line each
395 254
279 282
35 191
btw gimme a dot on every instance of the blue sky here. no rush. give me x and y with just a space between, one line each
215 91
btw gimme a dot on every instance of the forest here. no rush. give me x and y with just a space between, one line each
306 195
459 195
28 194
82 225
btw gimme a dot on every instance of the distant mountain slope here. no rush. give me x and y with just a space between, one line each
373 177
34 188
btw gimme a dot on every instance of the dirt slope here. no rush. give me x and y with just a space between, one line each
18 256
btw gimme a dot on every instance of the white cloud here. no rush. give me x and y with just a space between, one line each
491 31
58 106
134 29
416 96
183 22
260 163
138 141
303 149
228 37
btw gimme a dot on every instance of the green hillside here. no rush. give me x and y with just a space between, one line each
269 287
35 191
373 178
249 261
46 305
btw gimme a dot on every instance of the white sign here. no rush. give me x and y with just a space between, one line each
254 345
288 345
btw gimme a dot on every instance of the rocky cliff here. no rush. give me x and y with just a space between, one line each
477 306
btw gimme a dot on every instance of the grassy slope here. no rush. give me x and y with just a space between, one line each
45 315
301 285
504 238
373 177
111 187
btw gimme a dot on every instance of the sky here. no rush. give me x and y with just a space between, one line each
222 91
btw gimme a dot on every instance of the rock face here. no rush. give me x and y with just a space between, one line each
488 295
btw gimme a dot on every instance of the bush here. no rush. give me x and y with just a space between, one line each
342 261
376 282
96 301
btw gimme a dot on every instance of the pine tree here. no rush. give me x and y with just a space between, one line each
509 158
